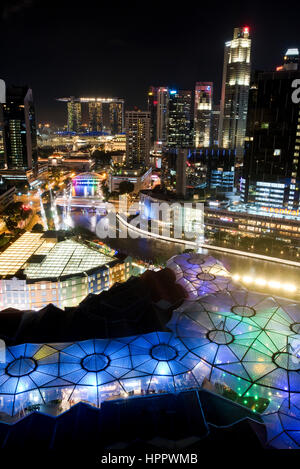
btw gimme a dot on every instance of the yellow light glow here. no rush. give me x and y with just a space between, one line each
274 284
289 287
247 279
236 277
260 281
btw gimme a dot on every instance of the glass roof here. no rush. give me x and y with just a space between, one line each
88 177
283 426
66 258
241 344
248 341
60 258
38 373
14 257
199 274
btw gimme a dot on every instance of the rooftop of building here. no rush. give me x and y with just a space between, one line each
130 171
38 256
88 176
168 196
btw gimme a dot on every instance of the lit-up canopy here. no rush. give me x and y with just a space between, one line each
200 275
86 185
250 342
93 371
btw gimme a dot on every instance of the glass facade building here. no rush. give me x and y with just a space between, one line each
271 164
74 121
180 132
137 125
203 108
19 129
158 106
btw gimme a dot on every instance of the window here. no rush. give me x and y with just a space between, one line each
264 125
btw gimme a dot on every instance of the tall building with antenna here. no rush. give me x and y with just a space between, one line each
235 90
158 106
203 114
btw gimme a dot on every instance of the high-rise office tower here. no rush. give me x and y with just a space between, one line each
162 115
181 159
215 122
152 109
116 117
203 114
2 101
235 89
271 171
19 129
180 119
137 125
74 115
158 101
95 120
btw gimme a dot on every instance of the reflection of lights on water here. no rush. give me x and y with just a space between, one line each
93 221
274 284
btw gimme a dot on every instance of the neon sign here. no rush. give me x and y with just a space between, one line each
282 211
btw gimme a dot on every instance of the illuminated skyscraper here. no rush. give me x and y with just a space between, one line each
116 117
152 109
95 120
158 101
203 113
215 122
235 89
180 119
137 138
2 101
19 129
271 171
74 115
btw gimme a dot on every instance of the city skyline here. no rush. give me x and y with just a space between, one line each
188 49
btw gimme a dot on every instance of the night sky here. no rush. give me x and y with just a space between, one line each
61 48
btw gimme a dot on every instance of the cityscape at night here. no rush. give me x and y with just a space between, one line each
149 231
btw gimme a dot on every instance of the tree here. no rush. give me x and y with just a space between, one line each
105 190
125 187
13 214
101 158
24 214
37 228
